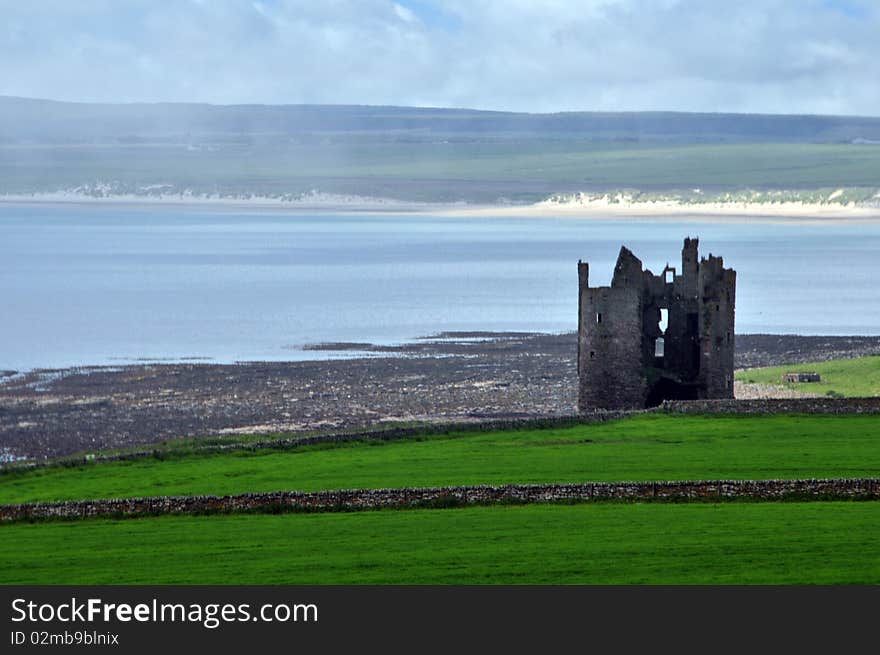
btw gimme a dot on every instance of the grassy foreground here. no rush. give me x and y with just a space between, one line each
742 543
648 447
841 377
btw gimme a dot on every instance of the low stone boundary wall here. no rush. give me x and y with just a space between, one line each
774 406
362 499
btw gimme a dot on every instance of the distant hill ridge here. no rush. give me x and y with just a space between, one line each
33 120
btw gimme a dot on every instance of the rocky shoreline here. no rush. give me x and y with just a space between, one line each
454 377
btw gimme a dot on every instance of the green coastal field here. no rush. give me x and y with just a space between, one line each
646 447
427 154
858 377
477 171
589 543
730 543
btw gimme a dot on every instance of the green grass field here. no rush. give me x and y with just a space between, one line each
475 171
731 543
842 377
590 543
648 447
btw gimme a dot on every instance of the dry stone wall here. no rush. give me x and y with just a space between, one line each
775 406
366 499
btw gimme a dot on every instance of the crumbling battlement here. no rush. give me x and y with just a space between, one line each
649 338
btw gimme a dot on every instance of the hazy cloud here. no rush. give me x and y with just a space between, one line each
811 56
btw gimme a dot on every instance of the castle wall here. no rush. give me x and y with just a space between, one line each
609 345
718 289
610 342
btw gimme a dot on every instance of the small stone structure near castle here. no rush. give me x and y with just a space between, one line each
801 377
649 338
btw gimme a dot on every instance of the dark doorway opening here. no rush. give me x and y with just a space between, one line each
668 389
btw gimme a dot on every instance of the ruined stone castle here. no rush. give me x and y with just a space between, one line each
649 338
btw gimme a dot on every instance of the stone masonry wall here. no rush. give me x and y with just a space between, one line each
364 499
774 406
610 347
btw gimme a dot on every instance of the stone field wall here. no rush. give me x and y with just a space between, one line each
366 499
775 406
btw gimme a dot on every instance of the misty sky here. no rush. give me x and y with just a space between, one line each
778 56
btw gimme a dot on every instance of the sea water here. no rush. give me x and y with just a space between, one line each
110 285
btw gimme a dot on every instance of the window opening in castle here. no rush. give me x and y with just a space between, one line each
659 347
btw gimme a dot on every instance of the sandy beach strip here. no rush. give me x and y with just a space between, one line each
595 208
666 210
324 203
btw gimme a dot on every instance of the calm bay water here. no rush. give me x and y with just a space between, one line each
86 285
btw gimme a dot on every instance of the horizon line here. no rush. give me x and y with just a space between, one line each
135 103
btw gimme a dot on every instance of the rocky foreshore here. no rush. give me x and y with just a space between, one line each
459 377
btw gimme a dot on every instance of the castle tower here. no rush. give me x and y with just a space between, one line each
649 338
